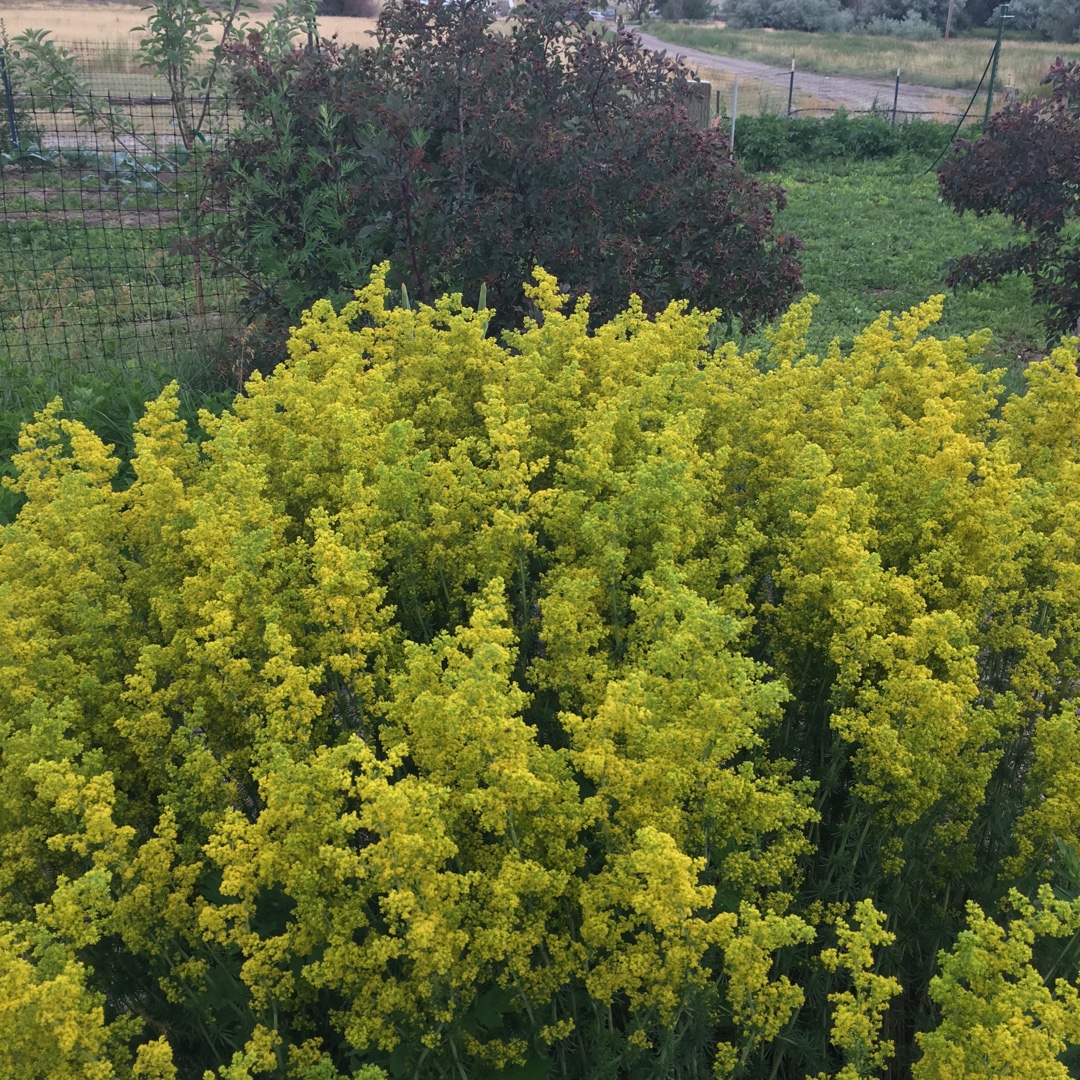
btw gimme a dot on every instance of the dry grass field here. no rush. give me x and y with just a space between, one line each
111 23
954 64
349 31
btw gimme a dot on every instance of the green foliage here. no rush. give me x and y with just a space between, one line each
769 143
911 26
465 157
689 9
27 134
175 47
588 703
1051 20
914 20
786 14
106 394
878 236
176 35
1026 166
996 1005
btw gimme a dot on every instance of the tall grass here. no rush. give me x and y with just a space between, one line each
954 64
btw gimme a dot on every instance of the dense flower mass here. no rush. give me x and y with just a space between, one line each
588 704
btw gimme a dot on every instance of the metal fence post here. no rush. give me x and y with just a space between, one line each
791 87
1003 15
895 98
9 101
734 113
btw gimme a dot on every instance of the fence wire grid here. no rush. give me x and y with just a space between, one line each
783 92
100 255
100 258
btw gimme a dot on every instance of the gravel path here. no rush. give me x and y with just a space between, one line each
852 93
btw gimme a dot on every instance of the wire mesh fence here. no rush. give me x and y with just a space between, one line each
114 67
100 235
101 223
788 92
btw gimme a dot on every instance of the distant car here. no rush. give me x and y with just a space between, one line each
611 13
597 15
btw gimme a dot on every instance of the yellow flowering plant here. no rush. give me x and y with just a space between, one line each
589 703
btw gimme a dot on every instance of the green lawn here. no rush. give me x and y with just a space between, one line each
877 238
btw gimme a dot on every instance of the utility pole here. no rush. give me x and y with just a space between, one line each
1003 15
948 19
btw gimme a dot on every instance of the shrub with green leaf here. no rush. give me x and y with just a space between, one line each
1026 166
770 142
466 157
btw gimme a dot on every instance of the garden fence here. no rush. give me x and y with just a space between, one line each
100 225
100 228
791 92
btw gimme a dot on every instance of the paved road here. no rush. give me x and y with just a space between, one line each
852 93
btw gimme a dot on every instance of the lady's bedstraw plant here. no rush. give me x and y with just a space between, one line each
580 704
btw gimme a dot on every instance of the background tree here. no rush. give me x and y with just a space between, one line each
467 158
689 9
1026 165
787 14
360 8
912 19
1054 20
636 10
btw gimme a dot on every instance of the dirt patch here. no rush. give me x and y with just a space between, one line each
95 218
42 195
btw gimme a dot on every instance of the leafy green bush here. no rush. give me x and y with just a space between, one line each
1053 20
1026 166
912 27
770 142
466 158
689 9
787 14
27 132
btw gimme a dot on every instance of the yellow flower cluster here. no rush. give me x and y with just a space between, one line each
999 1015
459 706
